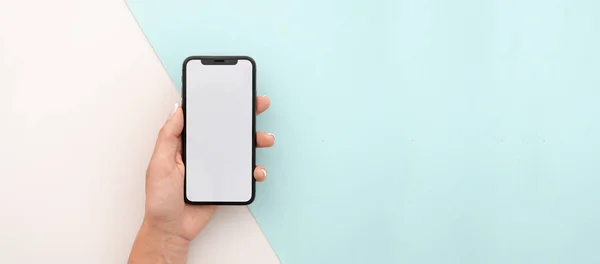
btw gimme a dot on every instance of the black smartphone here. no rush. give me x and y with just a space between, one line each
218 139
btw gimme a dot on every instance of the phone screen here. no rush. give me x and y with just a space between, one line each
219 132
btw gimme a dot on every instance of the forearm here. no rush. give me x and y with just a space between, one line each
153 246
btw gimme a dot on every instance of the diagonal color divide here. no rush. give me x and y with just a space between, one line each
414 131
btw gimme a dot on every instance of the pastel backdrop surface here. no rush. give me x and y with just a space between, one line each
82 98
414 131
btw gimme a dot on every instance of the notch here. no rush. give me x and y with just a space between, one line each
219 61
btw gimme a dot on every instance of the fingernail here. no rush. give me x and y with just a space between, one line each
264 172
174 110
271 134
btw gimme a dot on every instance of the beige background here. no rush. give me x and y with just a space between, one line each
82 96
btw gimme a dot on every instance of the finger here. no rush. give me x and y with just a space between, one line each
262 104
178 157
264 140
260 173
167 144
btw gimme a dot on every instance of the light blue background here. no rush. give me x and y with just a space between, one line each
423 131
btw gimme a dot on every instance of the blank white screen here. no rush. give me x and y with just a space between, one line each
219 133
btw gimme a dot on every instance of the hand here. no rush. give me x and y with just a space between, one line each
169 223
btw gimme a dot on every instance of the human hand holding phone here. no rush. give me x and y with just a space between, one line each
169 223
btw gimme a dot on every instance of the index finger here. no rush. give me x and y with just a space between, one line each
262 104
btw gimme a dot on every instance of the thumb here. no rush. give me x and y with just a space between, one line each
167 144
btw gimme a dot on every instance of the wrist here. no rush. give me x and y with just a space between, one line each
153 245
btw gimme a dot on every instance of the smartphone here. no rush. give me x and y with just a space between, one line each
218 139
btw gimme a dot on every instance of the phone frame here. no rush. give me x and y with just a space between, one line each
211 60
